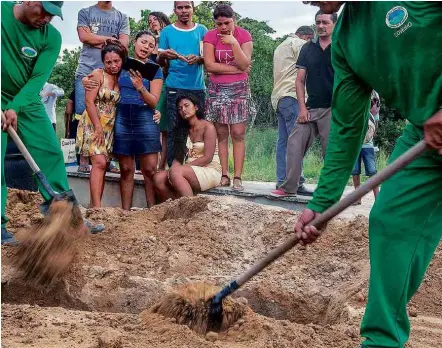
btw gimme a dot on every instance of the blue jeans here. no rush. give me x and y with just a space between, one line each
80 97
367 156
287 112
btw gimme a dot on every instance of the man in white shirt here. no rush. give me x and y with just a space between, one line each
49 95
284 99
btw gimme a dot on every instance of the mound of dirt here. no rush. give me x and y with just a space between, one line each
312 297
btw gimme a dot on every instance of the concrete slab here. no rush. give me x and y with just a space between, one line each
254 191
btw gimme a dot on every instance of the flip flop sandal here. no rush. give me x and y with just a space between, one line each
237 187
226 183
84 168
113 168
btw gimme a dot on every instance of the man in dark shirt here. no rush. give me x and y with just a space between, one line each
315 72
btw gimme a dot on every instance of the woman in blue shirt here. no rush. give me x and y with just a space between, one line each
136 133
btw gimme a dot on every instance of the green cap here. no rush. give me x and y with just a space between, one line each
53 7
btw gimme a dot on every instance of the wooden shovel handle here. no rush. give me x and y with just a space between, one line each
337 208
13 134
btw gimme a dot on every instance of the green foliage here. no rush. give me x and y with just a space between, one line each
388 131
390 127
261 76
63 74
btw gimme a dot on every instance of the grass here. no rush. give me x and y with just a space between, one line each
260 162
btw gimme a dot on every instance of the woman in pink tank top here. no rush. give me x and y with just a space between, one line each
227 54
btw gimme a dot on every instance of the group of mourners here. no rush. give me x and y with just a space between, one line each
167 122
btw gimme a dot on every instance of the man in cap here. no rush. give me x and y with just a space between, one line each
394 48
30 48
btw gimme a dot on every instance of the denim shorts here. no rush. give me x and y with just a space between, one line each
368 157
135 131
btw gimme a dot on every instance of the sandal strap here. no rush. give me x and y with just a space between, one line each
237 178
225 176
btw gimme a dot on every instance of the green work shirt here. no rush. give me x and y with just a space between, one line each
394 48
27 58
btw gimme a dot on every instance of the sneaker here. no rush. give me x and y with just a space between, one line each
281 194
91 227
8 238
304 191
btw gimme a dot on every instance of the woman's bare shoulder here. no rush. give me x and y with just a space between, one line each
97 74
208 125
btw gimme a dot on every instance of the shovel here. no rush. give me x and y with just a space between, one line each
46 251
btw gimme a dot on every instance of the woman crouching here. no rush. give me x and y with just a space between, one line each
202 169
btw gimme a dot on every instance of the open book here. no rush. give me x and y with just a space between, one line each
148 70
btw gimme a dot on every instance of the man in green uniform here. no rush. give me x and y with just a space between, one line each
30 47
394 48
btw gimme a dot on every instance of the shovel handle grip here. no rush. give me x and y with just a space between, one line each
400 163
13 134
34 167
337 208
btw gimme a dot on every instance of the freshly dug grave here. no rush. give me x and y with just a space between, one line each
312 297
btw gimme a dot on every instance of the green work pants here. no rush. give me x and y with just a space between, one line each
37 133
405 229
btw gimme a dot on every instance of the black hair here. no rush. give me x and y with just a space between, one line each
305 30
162 18
145 32
191 2
114 46
223 10
194 100
333 16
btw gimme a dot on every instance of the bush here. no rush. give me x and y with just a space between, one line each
387 133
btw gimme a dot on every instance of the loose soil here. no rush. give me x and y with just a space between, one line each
312 297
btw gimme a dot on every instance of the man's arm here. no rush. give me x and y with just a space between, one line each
57 91
86 36
40 74
84 32
124 32
301 76
163 49
303 115
68 112
350 111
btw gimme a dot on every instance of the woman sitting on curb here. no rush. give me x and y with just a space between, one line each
202 169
